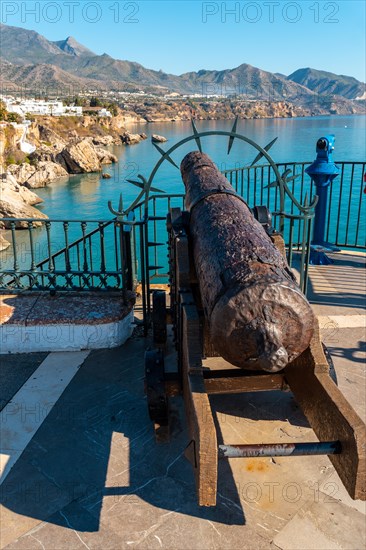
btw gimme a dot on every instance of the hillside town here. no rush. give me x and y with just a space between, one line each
32 106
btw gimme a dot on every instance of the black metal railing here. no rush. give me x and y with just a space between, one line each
77 255
156 253
346 212
113 255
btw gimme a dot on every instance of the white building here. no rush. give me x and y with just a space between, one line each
104 112
72 110
40 107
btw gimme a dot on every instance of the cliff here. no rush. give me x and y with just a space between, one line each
64 145
156 110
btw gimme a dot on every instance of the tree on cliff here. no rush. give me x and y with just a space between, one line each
95 102
8 117
113 109
14 117
3 111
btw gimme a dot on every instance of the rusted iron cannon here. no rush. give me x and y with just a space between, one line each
234 303
256 314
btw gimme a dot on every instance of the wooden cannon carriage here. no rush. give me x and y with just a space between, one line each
218 303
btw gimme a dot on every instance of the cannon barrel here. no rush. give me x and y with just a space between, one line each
257 316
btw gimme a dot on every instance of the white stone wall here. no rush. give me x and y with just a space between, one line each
64 337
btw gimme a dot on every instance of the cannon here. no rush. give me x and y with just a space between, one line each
252 305
233 297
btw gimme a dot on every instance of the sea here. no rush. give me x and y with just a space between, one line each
85 197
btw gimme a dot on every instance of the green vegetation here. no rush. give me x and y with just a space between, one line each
112 107
77 101
30 117
103 104
14 156
10 160
8 117
3 111
95 102
80 101
14 117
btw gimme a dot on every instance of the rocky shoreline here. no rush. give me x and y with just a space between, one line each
60 152
47 164
76 145
155 110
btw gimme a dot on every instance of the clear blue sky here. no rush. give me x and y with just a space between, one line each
277 36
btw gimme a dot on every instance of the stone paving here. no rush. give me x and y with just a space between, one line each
93 476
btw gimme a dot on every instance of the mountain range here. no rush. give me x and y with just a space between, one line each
29 60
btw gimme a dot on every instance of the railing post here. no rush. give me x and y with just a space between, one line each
14 244
67 255
128 277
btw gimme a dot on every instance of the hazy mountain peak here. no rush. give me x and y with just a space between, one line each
324 82
17 42
72 63
73 47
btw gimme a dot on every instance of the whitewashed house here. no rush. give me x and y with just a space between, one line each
40 107
104 113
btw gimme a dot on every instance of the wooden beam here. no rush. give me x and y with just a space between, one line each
202 432
242 384
330 415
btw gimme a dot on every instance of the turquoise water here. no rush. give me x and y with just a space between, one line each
86 196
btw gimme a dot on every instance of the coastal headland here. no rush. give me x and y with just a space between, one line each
34 154
36 150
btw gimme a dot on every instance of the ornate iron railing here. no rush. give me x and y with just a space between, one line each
114 254
92 254
77 255
157 261
346 212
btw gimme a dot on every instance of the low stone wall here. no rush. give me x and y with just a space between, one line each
33 322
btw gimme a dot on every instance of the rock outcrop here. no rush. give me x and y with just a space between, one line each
158 139
79 158
17 202
63 146
46 173
128 138
105 157
44 153
21 172
37 176
48 135
104 140
4 244
8 183
83 156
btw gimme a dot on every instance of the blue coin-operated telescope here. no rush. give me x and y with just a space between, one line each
322 172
